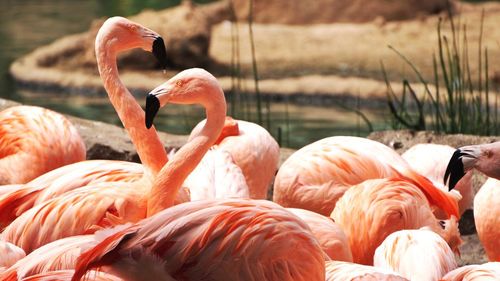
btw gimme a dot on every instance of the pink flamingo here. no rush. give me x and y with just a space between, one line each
109 203
373 209
318 174
430 160
346 271
252 149
231 239
65 275
403 252
483 157
477 272
330 236
33 141
487 217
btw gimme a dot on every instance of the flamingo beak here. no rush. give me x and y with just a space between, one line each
160 52
455 169
152 107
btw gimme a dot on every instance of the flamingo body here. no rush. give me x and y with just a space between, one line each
9 254
33 141
65 275
487 217
214 240
402 252
346 271
483 272
373 209
317 175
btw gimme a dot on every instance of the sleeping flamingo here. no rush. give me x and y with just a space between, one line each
116 35
346 271
487 217
252 149
230 239
317 175
109 203
476 272
483 157
430 160
373 209
34 141
402 252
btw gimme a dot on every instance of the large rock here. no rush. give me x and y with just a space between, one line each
328 11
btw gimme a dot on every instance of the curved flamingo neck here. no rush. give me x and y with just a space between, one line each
172 176
147 142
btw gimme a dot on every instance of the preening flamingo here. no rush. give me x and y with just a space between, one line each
116 35
330 236
232 239
58 255
346 271
431 160
252 149
419 255
373 209
92 207
483 157
487 217
34 141
317 175
477 272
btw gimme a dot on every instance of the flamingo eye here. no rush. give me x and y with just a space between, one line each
179 83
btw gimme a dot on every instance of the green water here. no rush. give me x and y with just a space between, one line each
27 24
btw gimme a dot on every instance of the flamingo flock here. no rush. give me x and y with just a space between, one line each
344 208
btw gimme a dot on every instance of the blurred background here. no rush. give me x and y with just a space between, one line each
305 70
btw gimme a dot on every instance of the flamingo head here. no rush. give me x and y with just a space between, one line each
119 34
191 86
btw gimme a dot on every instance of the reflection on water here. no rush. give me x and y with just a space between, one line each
27 24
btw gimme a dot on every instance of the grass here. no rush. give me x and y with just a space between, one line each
456 103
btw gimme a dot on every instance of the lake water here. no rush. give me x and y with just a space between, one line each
27 24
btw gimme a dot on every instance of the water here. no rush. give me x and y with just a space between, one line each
27 24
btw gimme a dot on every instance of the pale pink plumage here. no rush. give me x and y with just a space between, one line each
58 255
487 217
431 160
212 240
317 175
330 236
477 272
373 209
9 254
34 141
65 275
346 271
419 255
253 150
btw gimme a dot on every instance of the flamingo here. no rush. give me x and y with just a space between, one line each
58 255
109 203
487 219
402 252
225 239
477 272
346 271
429 160
317 175
330 236
35 140
483 157
65 275
252 149
373 209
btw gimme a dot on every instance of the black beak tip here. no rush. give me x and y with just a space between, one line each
454 170
152 107
160 52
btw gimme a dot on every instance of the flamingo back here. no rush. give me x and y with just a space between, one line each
65 275
9 254
33 141
487 219
346 271
477 272
215 240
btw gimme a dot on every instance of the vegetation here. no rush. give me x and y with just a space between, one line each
456 104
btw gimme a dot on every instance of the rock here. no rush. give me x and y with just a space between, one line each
328 11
